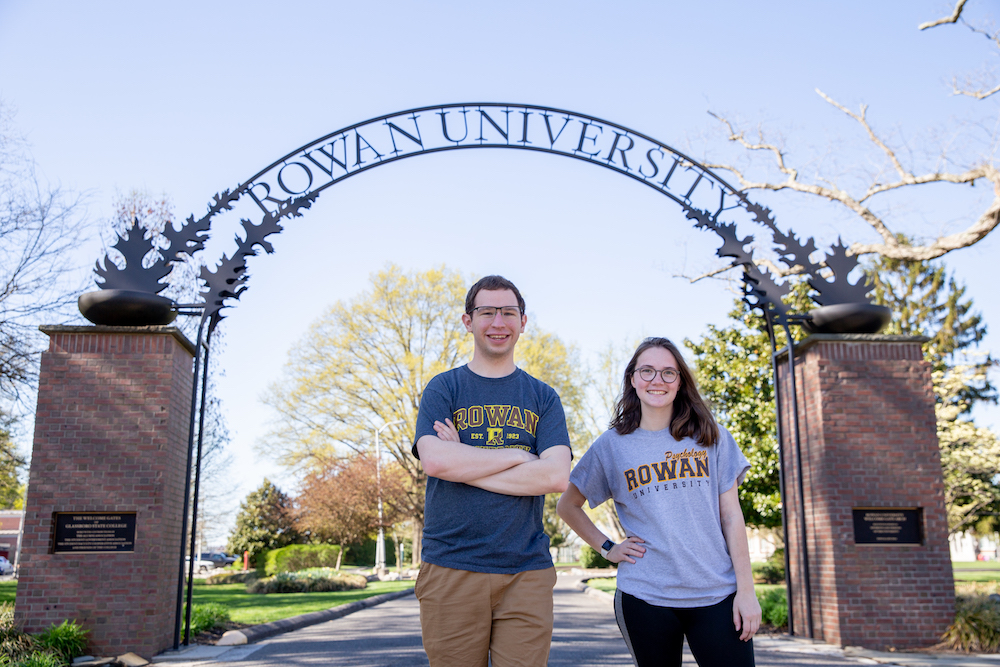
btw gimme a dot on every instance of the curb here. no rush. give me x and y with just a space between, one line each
257 632
593 592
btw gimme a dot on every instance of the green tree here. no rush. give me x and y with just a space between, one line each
734 373
970 455
11 463
265 521
926 301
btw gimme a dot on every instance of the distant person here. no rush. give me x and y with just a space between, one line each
672 471
492 441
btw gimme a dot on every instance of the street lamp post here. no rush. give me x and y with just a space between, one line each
380 542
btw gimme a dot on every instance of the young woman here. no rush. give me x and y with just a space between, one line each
684 569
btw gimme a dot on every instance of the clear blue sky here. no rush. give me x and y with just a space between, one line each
189 98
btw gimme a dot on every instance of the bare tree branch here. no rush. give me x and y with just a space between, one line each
969 90
773 268
948 19
890 245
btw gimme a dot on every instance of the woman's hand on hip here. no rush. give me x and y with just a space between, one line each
746 614
628 550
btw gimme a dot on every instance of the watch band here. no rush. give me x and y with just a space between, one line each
606 547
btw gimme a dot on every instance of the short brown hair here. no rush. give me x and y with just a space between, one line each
491 284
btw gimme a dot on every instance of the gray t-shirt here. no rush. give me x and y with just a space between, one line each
468 528
667 492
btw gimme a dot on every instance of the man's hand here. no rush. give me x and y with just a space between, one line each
446 431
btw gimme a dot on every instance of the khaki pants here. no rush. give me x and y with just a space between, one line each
466 618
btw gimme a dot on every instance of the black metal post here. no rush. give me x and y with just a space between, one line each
801 488
197 486
781 473
187 487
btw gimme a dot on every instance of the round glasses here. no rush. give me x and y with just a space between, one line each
648 374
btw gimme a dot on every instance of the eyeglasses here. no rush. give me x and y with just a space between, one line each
489 312
648 374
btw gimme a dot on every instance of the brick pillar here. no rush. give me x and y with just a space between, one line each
111 435
869 440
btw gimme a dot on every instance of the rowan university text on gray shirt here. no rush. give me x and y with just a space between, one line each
667 492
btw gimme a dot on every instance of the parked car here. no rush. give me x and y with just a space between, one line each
5 566
201 565
219 558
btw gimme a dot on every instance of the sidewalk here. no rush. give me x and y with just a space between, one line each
585 633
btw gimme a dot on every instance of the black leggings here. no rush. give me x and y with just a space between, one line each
655 635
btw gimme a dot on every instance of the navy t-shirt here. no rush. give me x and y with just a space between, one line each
467 528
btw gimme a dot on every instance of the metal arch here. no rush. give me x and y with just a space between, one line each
227 282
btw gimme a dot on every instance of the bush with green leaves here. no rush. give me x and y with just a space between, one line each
68 639
14 643
590 558
54 647
38 659
228 577
313 580
771 571
774 607
297 557
205 617
976 627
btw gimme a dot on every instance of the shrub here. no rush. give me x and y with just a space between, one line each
66 639
314 580
590 558
363 553
206 617
38 659
774 607
772 571
976 627
227 577
297 557
14 643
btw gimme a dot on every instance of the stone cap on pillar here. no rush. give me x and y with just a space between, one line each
175 332
809 341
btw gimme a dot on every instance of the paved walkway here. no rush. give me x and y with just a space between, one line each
585 633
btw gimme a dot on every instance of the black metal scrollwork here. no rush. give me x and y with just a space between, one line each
290 185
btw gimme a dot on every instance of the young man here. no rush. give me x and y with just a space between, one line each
493 441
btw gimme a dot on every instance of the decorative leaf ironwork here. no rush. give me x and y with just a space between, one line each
840 289
228 280
133 246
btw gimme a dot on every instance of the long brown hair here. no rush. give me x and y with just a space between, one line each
691 416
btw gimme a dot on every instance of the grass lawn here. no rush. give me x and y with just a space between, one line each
976 565
248 608
7 590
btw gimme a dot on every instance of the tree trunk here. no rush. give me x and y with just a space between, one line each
418 534
340 555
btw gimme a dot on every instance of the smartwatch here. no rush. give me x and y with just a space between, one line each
606 547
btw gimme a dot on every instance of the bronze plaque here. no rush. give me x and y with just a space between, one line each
887 526
93 532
